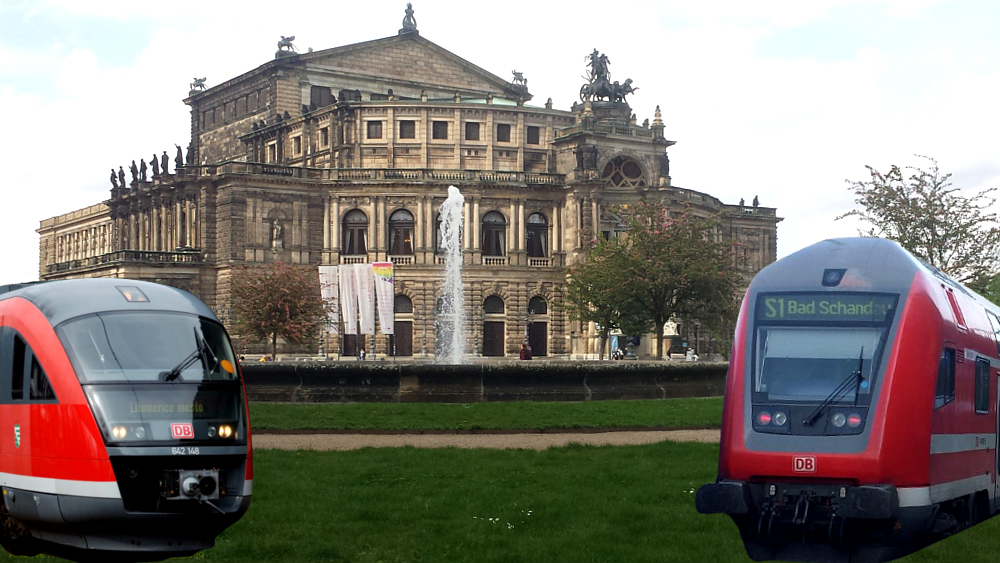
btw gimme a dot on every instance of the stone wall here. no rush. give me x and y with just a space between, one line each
408 383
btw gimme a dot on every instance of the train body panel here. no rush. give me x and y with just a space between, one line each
860 417
124 426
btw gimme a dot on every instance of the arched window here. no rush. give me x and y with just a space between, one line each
538 306
537 239
493 305
401 233
355 240
624 171
494 234
402 304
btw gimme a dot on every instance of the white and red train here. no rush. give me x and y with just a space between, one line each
123 422
860 418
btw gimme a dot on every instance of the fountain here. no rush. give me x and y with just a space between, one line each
450 322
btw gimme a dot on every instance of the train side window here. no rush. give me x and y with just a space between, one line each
982 385
40 388
946 379
17 369
995 322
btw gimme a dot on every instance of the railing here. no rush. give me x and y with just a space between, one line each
495 260
381 174
354 259
617 130
539 262
401 260
119 256
440 260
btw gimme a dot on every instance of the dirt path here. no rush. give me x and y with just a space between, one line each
526 440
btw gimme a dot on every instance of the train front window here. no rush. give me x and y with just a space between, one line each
808 363
810 346
148 347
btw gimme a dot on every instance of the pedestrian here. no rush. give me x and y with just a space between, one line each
529 351
361 355
524 352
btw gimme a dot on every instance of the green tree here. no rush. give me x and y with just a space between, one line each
677 267
277 301
663 267
933 220
594 292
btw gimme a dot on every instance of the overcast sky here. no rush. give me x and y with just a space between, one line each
783 100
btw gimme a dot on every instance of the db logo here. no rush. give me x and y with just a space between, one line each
181 431
804 464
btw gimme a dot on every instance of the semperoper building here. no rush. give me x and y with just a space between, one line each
344 155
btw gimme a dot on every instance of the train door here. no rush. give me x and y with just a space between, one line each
996 450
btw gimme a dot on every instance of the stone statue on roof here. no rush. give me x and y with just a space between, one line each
409 22
599 85
286 44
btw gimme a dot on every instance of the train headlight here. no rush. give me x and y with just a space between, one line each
780 418
140 433
225 431
764 418
212 432
119 432
854 420
838 420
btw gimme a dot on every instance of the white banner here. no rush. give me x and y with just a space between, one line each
366 297
385 294
329 287
349 299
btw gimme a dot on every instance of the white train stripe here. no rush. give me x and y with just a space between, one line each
93 489
926 496
953 443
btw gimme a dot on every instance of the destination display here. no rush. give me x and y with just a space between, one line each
835 307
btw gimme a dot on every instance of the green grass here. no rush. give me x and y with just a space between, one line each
698 412
572 504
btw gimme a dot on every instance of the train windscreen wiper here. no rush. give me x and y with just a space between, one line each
201 352
854 378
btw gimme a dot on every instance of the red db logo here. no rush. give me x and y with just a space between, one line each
804 464
182 431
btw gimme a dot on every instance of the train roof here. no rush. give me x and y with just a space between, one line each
66 299
869 264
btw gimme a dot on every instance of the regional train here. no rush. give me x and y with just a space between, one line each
124 432
860 414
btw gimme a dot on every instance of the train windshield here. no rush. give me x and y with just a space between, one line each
808 345
148 347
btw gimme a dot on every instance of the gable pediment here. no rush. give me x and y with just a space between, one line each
410 60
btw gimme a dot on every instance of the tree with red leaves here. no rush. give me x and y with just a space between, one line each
278 301
671 267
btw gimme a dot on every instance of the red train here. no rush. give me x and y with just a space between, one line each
123 422
860 418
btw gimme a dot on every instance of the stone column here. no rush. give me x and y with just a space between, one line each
555 240
326 224
467 230
520 225
476 224
595 217
335 217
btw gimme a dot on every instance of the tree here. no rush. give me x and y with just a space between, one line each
279 301
934 221
663 267
593 292
676 267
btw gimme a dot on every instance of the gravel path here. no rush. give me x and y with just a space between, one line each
532 441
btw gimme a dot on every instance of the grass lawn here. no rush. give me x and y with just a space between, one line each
573 504
698 412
